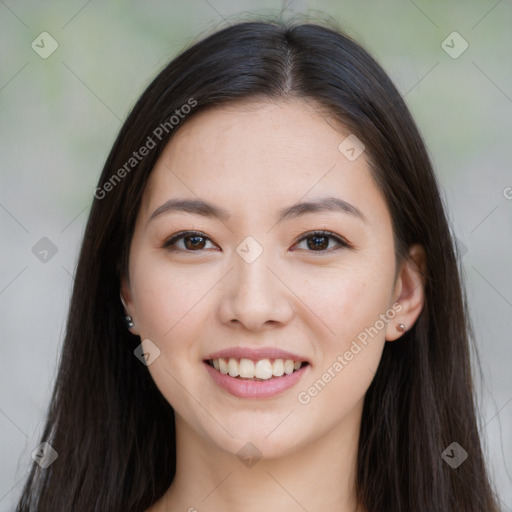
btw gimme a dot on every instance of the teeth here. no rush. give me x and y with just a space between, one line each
233 367
288 366
246 368
223 366
278 368
263 369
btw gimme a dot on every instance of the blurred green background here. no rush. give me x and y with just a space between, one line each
59 116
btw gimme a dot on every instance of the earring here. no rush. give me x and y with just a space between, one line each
400 327
129 321
127 318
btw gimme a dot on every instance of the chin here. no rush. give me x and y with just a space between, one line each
269 439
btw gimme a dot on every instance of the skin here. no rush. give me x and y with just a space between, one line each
254 159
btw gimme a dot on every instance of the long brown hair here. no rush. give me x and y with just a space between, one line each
111 426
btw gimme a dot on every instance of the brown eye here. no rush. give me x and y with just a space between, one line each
320 241
194 242
191 242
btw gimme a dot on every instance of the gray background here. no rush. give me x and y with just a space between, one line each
59 117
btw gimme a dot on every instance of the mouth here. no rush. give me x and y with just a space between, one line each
256 378
258 371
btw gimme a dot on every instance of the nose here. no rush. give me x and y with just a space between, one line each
255 297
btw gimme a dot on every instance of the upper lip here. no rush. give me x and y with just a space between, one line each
255 354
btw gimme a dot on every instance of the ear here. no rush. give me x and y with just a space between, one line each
409 291
127 301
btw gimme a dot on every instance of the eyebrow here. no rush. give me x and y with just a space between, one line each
206 209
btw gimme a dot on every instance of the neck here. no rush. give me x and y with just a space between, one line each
320 475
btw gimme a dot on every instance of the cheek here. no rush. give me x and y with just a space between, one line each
169 302
168 298
348 360
347 299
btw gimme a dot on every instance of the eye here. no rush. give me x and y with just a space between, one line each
316 241
319 241
192 241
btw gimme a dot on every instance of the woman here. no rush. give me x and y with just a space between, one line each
267 312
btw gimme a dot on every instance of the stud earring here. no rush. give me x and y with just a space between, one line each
127 318
400 327
129 321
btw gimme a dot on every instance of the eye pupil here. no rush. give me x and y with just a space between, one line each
196 242
318 245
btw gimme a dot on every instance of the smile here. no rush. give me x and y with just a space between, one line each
260 370
259 378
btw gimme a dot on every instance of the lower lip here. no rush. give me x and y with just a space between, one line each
246 388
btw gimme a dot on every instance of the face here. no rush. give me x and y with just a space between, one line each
280 250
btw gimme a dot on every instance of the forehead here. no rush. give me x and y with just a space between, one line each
259 154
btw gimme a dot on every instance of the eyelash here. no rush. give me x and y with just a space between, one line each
169 244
